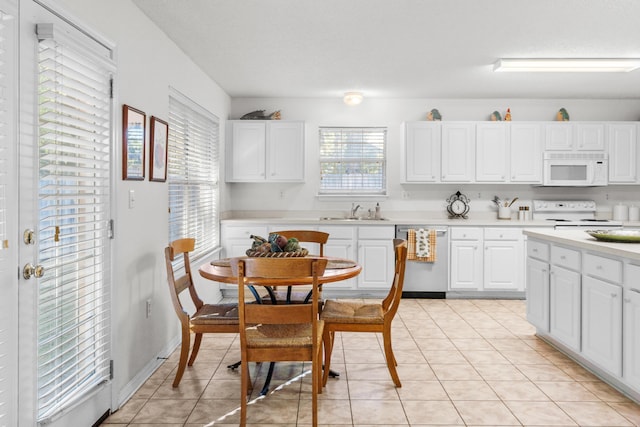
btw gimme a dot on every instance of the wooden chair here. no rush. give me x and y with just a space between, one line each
344 316
279 332
207 318
303 295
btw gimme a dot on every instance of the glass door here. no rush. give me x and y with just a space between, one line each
65 209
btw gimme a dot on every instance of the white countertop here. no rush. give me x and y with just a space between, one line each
479 222
580 239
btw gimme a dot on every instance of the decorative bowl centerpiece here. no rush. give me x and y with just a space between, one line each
619 236
275 246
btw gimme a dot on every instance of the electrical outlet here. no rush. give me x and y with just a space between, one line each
281 194
405 195
132 199
148 308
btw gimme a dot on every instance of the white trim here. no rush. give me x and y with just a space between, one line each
145 373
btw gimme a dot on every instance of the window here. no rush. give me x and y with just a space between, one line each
353 160
193 172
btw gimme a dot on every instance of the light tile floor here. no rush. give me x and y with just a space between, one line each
461 362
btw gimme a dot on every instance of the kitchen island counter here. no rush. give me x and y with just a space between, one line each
580 239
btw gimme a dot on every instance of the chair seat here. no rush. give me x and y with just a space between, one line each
352 312
219 314
293 335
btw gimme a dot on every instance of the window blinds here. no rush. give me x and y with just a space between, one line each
352 160
74 101
193 171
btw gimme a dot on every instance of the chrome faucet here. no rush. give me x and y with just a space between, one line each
354 210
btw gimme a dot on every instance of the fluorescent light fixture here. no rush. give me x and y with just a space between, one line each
567 65
352 98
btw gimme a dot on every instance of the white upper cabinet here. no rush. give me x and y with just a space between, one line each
558 136
265 151
526 153
421 152
458 152
565 136
589 136
492 152
622 147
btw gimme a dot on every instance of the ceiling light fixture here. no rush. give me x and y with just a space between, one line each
352 98
567 65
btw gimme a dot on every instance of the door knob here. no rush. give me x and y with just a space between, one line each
30 270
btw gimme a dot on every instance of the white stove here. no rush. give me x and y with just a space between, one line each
571 214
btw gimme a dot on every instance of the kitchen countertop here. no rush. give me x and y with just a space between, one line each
580 239
489 220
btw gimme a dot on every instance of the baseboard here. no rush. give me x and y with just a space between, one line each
136 382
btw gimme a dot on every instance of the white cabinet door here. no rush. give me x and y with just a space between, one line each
631 328
538 294
421 152
589 136
377 258
265 151
466 265
492 152
564 315
602 324
458 152
526 153
285 151
622 146
246 151
503 265
558 136
341 244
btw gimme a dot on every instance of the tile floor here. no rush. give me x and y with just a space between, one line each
461 362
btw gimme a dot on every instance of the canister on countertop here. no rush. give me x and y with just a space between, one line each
634 213
521 213
620 212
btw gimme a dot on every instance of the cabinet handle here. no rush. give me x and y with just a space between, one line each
627 300
501 236
534 250
544 271
614 295
563 257
598 267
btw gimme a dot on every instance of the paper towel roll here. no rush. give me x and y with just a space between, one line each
621 212
634 213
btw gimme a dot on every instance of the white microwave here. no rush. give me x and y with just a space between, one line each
575 169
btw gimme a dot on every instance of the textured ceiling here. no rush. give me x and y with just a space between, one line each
402 48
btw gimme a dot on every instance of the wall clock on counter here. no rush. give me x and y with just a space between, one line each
458 205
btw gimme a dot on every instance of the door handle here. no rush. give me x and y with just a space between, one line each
31 270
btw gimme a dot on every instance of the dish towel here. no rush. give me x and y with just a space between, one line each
421 245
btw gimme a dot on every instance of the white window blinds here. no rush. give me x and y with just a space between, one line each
74 101
193 172
352 160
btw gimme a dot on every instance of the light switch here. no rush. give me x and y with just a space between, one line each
132 199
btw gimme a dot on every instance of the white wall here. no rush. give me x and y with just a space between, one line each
298 198
148 64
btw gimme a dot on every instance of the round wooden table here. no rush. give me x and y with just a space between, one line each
337 269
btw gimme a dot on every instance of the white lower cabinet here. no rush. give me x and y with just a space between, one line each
538 293
564 306
593 305
377 257
631 329
489 259
341 244
466 259
631 326
602 323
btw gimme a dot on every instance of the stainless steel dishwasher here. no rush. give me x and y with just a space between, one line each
427 279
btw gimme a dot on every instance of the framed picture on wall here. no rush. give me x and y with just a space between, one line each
159 138
133 132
